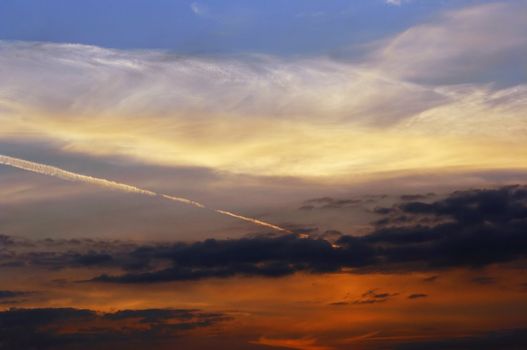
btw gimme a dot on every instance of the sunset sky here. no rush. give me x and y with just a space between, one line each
252 175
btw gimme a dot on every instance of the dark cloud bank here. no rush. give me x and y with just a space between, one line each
52 328
466 229
507 339
82 329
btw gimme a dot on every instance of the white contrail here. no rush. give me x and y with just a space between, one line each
70 176
254 221
67 175
183 200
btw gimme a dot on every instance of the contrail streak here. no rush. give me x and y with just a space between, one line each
70 176
254 221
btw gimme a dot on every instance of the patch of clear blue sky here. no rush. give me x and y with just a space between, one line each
279 27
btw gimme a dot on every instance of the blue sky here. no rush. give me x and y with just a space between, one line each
294 27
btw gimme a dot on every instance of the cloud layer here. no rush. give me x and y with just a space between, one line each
58 328
472 228
432 97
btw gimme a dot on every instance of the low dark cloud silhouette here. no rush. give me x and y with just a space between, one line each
484 280
52 328
508 339
430 279
330 203
371 296
13 297
339 203
417 296
471 228
414 197
6 241
270 256
8 294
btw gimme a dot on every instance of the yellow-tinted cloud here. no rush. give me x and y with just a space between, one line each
293 148
258 115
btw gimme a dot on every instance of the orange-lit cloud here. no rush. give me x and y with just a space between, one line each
297 344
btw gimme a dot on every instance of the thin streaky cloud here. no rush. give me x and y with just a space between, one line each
71 176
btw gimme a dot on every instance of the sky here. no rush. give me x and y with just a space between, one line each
280 174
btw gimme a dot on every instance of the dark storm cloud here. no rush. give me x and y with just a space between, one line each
466 229
52 328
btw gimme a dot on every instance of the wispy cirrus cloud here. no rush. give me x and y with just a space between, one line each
461 46
396 2
199 9
423 89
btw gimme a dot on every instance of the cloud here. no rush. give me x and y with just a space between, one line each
6 240
331 203
472 228
12 297
484 280
189 104
199 9
396 2
417 296
483 227
503 338
461 46
374 297
8 294
292 343
431 279
369 297
75 177
413 197
265 256
57 328
428 90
